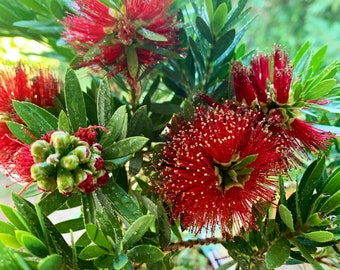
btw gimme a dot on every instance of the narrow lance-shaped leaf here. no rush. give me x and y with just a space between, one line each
104 103
74 99
219 18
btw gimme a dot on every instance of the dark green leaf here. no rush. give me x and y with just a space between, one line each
89 207
109 224
75 224
32 243
333 183
307 185
104 103
52 202
18 131
165 108
97 236
222 44
137 229
104 261
286 217
54 261
331 203
219 18
163 226
115 126
124 147
121 202
278 253
74 100
36 118
204 29
91 252
145 254
140 123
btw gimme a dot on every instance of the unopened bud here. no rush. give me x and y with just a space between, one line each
103 178
61 141
83 153
96 163
42 170
97 148
40 150
47 185
69 162
65 182
84 180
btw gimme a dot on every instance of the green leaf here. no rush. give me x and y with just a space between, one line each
104 262
132 60
307 185
74 99
319 236
219 18
9 240
120 261
331 203
75 224
222 44
244 162
6 228
18 130
109 224
278 253
210 9
7 260
97 236
125 147
36 6
104 103
333 183
54 261
12 216
163 226
150 35
63 122
318 57
145 254
115 126
120 201
286 217
91 252
320 90
204 29
32 243
137 230
140 123
52 202
36 118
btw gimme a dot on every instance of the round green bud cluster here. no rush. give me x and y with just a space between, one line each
68 164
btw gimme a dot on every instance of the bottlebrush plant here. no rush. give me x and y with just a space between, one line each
181 139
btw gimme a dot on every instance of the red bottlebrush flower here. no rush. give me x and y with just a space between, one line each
216 169
270 78
21 83
121 40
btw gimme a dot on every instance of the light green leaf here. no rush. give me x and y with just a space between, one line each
286 217
9 240
97 236
219 18
32 243
7 260
12 216
319 236
137 230
277 253
91 252
145 254
132 60
150 35
54 261
320 90
36 118
74 99
210 9
74 224
63 122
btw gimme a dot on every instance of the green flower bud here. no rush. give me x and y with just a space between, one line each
42 170
96 148
65 182
61 141
69 162
83 153
74 141
84 180
47 185
40 150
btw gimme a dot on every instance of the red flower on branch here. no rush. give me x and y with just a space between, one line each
266 86
219 167
122 39
22 83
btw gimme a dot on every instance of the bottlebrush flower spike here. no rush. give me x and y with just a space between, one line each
22 83
120 41
270 78
216 169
